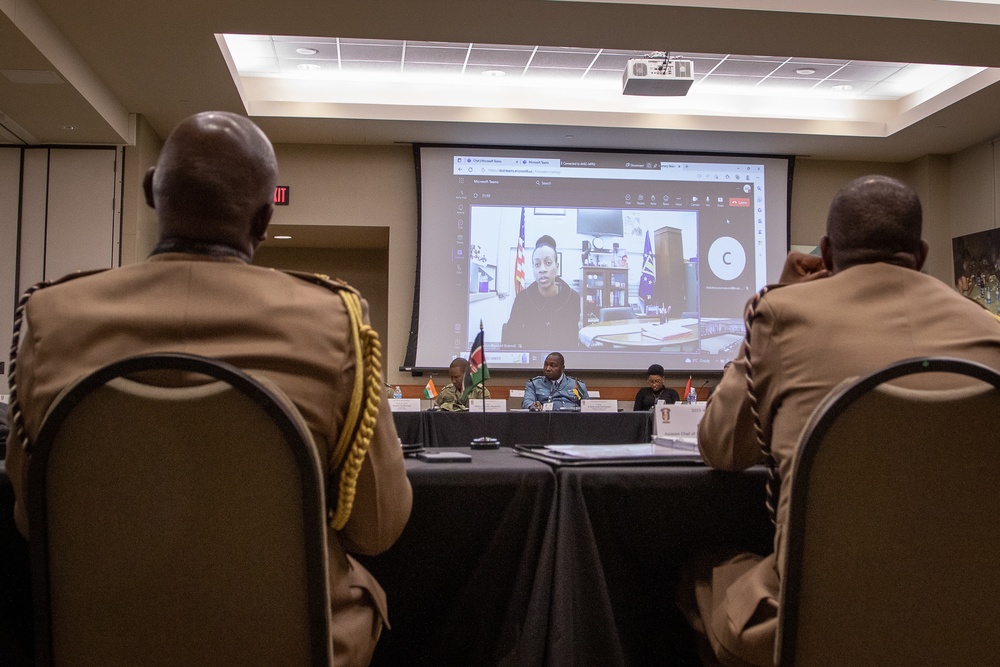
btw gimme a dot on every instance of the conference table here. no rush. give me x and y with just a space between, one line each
511 561
448 429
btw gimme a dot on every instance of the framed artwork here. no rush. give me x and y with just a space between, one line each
977 267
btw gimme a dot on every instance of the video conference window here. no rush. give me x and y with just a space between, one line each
615 260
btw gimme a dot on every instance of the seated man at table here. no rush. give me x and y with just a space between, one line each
862 306
554 386
647 397
199 293
451 398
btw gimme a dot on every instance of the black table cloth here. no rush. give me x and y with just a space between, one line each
458 429
469 580
623 534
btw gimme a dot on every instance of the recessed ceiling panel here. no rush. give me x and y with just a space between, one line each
329 77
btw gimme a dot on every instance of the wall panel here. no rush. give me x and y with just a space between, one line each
10 192
81 222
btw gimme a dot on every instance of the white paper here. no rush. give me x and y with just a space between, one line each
665 331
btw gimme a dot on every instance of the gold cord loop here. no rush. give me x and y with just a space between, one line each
16 415
773 475
359 425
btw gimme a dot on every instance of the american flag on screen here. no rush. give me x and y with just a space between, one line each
519 262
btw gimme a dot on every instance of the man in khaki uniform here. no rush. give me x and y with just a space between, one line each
450 398
864 305
212 190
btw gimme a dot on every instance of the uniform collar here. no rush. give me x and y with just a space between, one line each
192 247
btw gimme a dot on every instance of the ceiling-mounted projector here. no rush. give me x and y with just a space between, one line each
657 76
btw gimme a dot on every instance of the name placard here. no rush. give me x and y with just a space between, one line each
404 404
492 404
598 405
678 420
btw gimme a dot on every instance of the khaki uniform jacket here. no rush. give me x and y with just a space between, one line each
806 339
261 320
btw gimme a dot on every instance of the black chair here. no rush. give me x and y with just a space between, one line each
893 546
177 524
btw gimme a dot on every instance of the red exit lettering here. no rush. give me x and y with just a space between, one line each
281 193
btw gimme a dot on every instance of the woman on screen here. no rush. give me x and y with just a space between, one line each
546 314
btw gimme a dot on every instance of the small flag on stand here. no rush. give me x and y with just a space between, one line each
519 261
687 388
576 391
430 391
477 371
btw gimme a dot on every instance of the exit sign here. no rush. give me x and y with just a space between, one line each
281 194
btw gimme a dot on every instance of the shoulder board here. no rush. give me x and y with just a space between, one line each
76 274
59 281
332 284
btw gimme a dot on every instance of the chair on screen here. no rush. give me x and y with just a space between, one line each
177 525
894 524
616 313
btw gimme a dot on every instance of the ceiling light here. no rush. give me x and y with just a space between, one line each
805 71
281 237
306 51
68 127
493 72
842 86
307 66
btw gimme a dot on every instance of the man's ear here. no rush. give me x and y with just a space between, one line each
258 226
147 186
827 253
922 254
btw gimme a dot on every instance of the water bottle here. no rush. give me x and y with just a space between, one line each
692 396
397 392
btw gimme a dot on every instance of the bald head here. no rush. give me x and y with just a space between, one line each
214 181
874 219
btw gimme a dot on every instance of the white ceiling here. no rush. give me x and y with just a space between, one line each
966 11
331 77
96 64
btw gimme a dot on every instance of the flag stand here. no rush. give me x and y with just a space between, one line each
484 442
477 370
